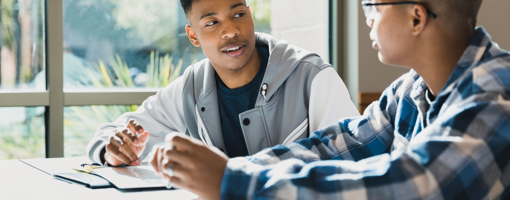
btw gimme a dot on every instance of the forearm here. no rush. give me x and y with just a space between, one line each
317 147
441 162
380 177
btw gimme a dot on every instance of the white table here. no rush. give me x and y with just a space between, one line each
21 181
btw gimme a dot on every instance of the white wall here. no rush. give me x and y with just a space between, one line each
303 23
494 16
375 76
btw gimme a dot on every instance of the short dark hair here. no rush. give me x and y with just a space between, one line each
455 13
186 5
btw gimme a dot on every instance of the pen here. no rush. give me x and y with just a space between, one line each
93 164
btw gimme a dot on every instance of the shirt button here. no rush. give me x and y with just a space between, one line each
203 109
246 121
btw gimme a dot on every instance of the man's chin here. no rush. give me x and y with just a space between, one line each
231 66
386 61
381 58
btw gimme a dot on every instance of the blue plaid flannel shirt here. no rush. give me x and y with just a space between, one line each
403 147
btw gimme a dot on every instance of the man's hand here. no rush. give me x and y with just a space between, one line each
196 167
125 146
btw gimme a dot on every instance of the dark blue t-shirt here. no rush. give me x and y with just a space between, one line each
233 102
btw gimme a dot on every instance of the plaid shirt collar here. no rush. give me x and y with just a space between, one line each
478 46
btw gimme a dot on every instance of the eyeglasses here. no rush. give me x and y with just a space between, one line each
369 7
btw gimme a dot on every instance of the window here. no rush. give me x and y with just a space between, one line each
22 78
103 58
80 123
22 59
22 134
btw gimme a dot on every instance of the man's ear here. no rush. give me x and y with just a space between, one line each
192 37
419 19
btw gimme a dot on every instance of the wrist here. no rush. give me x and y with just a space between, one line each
104 161
102 155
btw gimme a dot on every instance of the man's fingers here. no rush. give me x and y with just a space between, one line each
137 130
125 135
135 127
128 151
182 142
177 156
160 159
127 146
113 149
153 160
125 149
142 140
177 182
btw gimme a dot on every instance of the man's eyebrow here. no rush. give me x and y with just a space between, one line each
237 5
207 15
213 13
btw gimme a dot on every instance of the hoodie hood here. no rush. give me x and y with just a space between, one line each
283 60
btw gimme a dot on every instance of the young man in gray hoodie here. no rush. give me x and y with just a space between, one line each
251 92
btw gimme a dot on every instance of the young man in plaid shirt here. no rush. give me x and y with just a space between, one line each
441 131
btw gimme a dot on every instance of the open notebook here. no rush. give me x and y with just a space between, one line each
132 177
124 178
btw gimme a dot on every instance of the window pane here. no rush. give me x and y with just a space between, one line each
131 43
304 24
22 53
81 122
22 134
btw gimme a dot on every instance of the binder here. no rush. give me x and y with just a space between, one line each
87 180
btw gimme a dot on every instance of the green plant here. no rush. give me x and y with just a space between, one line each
24 139
160 71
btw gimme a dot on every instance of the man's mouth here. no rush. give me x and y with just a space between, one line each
234 50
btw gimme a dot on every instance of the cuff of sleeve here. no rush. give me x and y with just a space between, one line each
239 179
97 153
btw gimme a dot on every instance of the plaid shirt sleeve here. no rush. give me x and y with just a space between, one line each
462 154
454 157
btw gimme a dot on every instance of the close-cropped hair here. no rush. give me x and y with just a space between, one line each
455 13
186 5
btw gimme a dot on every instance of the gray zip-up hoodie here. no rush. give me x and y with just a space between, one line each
300 93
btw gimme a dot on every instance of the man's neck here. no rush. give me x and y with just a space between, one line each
439 59
238 78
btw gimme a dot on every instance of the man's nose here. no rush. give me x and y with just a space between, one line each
230 30
370 22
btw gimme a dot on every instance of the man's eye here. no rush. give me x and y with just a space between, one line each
239 15
211 23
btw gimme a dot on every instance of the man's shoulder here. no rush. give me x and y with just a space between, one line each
196 67
190 73
405 84
492 75
313 61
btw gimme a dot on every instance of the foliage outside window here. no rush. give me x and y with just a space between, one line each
22 60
